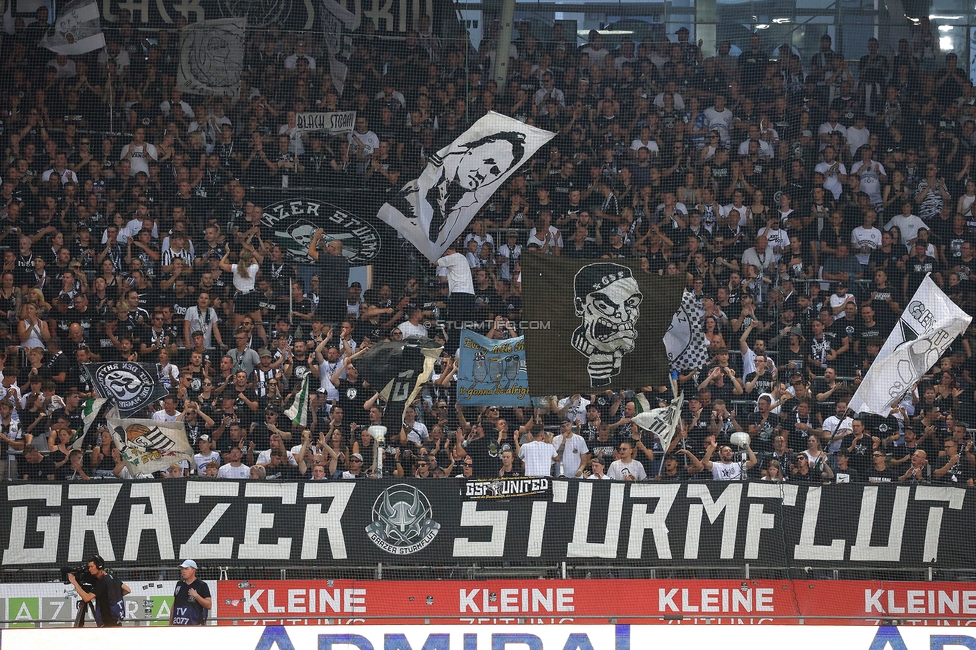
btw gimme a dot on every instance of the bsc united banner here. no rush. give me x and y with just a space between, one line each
596 324
492 372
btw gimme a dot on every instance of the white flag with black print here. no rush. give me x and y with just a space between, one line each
685 339
298 411
335 17
929 324
432 210
148 446
76 30
212 57
661 422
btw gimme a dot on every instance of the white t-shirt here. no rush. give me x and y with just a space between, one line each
200 461
870 179
540 239
723 472
832 180
909 226
720 121
418 433
870 237
203 322
245 285
409 329
619 470
141 155
572 454
834 425
577 411
538 457
265 457
229 471
836 301
458 273
162 416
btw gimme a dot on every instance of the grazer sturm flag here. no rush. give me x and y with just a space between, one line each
685 339
76 30
148 446
929 324
432 210
595 324
398 371
298 411
212 57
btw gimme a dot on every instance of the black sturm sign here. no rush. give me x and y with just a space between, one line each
429 522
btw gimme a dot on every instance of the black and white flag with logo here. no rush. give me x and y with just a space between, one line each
398 371
129 385
432 210
685 339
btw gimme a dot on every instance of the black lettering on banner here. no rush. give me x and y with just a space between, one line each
136 523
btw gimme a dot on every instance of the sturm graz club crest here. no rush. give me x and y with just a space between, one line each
402 520
131 386
295 221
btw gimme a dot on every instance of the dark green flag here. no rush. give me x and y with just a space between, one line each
595 324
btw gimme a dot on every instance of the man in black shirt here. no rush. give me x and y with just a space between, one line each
107 594
191 600
333 277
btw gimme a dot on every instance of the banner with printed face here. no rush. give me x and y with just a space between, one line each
77 29
492 372
130 386
331 123
926 328
593 325
432 210
148 446
212 57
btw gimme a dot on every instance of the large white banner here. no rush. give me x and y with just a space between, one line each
432 210
212 57
77 29
148 446
929 324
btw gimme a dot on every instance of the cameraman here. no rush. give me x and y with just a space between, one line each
107 594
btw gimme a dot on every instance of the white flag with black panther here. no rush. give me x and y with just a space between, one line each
76 30
432 210
212 57
929 324
148 446
662 422
685 339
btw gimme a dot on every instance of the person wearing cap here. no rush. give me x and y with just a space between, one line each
191 599
355 467
597 471
206 455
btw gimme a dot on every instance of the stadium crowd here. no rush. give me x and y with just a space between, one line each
805 199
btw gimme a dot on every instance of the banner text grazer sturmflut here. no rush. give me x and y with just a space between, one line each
349 523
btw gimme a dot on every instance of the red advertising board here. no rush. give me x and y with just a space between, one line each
323 602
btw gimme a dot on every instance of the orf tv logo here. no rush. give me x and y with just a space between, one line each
889 638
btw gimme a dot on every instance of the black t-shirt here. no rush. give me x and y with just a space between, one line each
484 453
352 398
38 471
187 610
762 442
109 608
888 475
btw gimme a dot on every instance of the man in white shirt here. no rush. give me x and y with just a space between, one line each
291 62
169 412
866 237
412 326
908 224
461 304
139 152
546 236
836 427
719 119
572 449
546 93
202 318
235 468
834 172
626 468
206 456
538 455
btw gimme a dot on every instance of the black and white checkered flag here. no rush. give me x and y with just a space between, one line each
685 339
